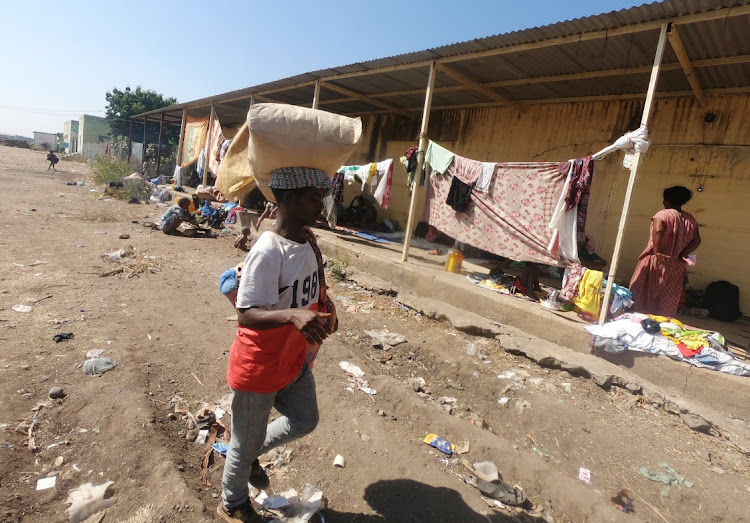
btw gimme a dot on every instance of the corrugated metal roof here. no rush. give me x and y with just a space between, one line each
527 54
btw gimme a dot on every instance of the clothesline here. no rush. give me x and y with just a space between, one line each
376 177
528 211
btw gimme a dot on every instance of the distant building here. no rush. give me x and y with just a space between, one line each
92 129
70 136
45 141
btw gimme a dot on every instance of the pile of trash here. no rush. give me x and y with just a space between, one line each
356 379
291 507
130 262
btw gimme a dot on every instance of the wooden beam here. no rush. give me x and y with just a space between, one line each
423 143
470 83
182 135
158 147
360 96
316 95
208 144
647 108
679 49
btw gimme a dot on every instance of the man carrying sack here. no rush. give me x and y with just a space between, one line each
284 316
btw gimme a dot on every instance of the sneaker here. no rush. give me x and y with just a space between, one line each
240 514
258 477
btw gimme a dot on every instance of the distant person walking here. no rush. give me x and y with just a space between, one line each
144 167
52 159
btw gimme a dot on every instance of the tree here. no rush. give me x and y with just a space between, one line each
122 105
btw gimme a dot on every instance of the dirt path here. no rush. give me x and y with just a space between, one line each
169 333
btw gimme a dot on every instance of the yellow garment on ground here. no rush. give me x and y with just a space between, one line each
589 297
693 340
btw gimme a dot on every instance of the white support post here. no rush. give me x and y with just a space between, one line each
647 107
208 144
316 96
423 141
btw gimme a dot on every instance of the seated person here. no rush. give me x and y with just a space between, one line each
175 215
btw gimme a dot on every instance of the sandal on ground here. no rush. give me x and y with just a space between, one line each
515 497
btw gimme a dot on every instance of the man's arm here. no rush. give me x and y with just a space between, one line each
310 323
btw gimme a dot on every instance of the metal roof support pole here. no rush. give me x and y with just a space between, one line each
423 141
158 147
130 140
316 96
647 107
208 144
182 134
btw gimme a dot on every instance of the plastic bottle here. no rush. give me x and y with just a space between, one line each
454 260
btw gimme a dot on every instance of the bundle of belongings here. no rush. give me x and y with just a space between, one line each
667 336
585 289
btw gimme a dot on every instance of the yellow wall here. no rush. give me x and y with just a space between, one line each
685 151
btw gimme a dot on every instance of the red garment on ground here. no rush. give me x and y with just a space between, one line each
657 290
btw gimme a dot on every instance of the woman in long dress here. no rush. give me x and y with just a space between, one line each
657 281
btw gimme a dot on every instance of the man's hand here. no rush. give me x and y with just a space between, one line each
311 324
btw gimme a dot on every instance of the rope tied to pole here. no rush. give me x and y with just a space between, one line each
631 142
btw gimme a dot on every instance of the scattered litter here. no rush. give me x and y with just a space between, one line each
56 393
97 366
63 336
94 353
670 478
59 461
292 507
21 308
38 262
202 436
507 375
385 339
416 384
124 236
53 445
339 461
471 349
504 400
567 387
351 369
442 444
446 400
462 447
623 501
584 475
46 483
522 406
219 412
221 448
120 254
88 499
454 385
487 471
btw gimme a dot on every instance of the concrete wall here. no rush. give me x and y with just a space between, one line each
70 135
92 129
686 150
45 141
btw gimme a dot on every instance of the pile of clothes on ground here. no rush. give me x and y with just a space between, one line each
667 336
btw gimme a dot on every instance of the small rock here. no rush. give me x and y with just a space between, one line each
365 437
703 454
172 416
124 236
671 407
191 435
604 381
564 374
56 393
181 468
381 413
736 460
59 462
634 388
414 384
695 422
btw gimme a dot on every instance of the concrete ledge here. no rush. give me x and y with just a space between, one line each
549 338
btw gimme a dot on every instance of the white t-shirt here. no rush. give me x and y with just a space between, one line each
279 274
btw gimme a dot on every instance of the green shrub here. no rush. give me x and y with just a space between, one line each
108 170
338 268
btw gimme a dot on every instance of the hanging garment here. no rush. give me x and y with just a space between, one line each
329 210
217 138
337 188
511 219
224 147
589 297
564 223
579 191
485 178
177 176
571 281
201 165
383 191
459 195
438 159
466 170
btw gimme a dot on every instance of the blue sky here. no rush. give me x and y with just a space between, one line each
62 57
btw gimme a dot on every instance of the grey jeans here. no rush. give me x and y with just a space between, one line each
251 437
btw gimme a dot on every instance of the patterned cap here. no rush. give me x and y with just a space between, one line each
299 178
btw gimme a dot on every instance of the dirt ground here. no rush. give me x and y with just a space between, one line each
168 330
